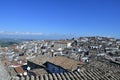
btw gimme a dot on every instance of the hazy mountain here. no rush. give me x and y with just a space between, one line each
40 37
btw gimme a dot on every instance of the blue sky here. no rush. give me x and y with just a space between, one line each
59 17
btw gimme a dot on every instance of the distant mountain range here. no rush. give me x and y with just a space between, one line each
38 37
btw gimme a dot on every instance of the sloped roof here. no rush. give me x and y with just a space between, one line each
40 59
64 62
19 70
39 71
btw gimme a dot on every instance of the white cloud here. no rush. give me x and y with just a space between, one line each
2 32
19 33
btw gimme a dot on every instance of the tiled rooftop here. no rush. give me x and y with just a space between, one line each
95 74
64 62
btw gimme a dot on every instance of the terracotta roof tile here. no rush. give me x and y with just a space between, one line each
65 62
19 70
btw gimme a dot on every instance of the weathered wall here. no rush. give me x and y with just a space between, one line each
4 75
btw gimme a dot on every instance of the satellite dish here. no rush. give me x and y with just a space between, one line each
78 70
20 74
28 68
25 73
